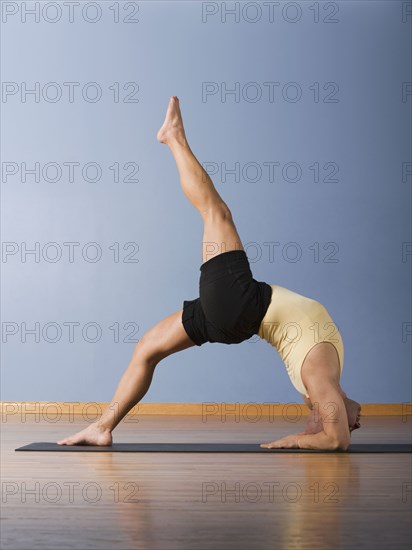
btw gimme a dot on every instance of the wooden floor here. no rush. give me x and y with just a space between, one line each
203 501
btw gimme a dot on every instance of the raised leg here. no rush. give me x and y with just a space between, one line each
220 233
162 340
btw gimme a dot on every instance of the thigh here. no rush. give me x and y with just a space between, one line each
165 338
220 233
232 300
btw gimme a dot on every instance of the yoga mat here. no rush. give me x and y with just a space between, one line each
209 448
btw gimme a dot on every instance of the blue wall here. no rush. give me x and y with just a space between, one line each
324 95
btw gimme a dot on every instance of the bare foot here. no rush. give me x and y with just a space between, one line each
172 128
92 435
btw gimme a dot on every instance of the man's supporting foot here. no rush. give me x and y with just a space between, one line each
92 435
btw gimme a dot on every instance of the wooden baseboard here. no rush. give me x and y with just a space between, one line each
247 411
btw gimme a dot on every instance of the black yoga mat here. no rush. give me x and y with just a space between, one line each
209 448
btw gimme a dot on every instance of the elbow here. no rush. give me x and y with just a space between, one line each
341 444
344 445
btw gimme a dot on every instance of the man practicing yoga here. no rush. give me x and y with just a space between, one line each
232 307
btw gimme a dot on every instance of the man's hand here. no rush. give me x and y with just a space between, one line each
287 442
321 441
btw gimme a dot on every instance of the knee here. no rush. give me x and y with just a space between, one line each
218 212
146 353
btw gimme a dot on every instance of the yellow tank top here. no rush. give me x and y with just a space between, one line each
293 324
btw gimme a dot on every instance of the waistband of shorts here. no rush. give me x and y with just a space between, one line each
224 259
266 299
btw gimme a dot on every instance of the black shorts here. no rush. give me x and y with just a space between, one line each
231 303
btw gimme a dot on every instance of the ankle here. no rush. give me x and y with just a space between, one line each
103 426
177 141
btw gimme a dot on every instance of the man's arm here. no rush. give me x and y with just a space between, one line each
328 403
